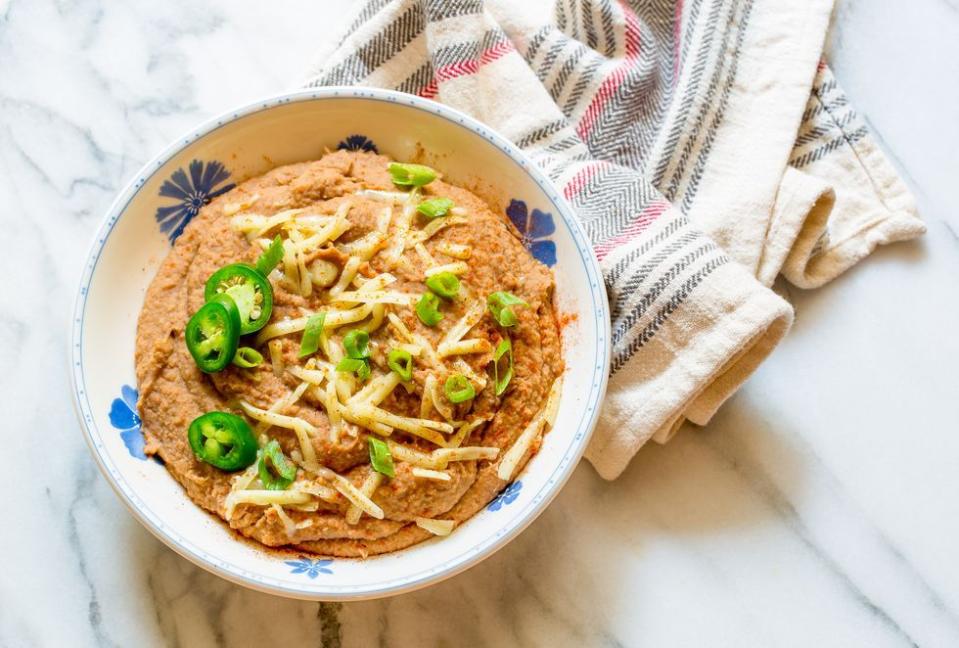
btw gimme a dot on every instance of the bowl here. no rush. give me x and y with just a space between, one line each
153 209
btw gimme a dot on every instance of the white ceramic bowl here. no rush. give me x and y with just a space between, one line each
136 235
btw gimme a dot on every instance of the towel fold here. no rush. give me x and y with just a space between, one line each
704 144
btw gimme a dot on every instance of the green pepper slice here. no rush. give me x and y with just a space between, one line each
435 207
247 358
356 343
401 361
312 335
271 257
459 389
427 309
358 366
411 175
501 307
381 459
444 284
275 470
222 440
213 334
501 380
249 289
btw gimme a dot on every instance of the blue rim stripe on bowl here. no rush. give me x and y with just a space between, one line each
330 591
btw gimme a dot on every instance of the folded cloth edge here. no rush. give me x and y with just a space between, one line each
741 322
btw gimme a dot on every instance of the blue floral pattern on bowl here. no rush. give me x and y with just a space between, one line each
535 227
506 497
312 567
191 192
124 417
358 143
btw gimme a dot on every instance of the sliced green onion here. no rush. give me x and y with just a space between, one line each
275 470
271 257
444 284
502 381
356 344
427 309
312 334
380 457
500 306
435 207
356 366
458 388
247 358
401 361
411 175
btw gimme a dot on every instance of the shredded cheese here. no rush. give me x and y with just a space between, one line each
375 297
426 399
436 527
230 209
303 275
455 250
311 376
377 390
424 428
425 256
276 356
364 248
384 219
470 318
335 317
415 457
426 473
463 347
400 234
551 409
256 225
396 197
469 453
435 226
413 349
457 268
281 405
377 283
464 431
263 498
464 368
279 420
370 484
288 526
321 491
357 417
301 428
346 276
441 457
377 315
516 452
397 324
346 488
432 387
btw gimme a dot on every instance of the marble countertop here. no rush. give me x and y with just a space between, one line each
820 508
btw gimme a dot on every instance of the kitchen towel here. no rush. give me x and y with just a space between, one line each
704 145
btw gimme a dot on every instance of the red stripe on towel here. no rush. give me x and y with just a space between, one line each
579 180
608 88
463 68
646 218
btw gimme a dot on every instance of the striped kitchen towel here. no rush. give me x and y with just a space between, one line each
704 145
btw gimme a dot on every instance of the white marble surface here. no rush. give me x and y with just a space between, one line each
821 507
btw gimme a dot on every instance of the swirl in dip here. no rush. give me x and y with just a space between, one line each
355 247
